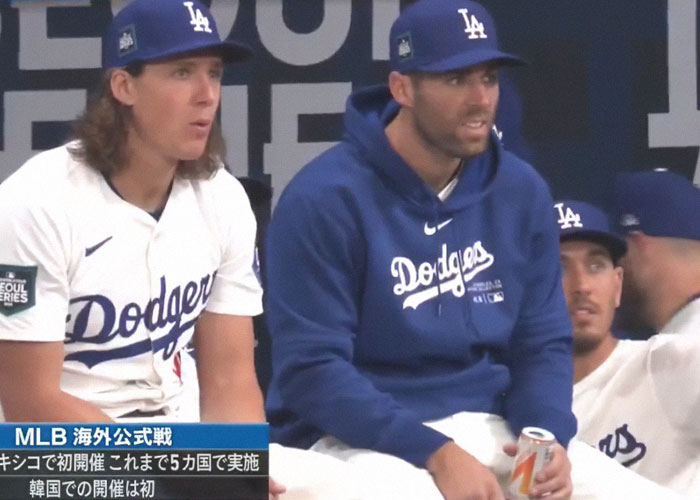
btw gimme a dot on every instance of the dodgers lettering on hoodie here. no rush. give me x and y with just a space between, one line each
388 307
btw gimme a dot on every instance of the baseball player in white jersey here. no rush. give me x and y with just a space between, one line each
659 214
124 246
634 400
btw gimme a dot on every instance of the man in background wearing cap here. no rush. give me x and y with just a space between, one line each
659 214
634 400
414 295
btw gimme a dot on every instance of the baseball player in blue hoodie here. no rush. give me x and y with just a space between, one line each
414 287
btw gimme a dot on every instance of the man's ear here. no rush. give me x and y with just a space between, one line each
401 87
122 85
642 242
637 237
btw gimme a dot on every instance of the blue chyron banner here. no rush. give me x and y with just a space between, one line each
610 86
131 436
117 461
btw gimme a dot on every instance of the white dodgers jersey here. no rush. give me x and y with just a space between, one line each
641 406
121 289
685 321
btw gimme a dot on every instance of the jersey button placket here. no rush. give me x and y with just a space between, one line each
155 272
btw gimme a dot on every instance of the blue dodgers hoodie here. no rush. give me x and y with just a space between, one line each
388 307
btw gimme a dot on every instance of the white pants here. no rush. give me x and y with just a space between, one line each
309 475
594 475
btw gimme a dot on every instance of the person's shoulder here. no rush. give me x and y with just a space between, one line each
42 181
223 182
663 348
338 169
673 343
524 187
42 168
221 192
516 170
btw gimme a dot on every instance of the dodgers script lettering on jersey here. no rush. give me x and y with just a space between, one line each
95 320
451 273
623 446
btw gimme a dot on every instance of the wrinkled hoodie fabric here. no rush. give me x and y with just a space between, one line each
388 307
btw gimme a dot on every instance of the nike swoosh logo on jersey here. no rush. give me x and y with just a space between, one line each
431 230
90 250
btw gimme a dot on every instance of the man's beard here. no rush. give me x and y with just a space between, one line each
630 316
583 345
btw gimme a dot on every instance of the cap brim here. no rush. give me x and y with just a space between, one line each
615 245
471 58
230 52
235 51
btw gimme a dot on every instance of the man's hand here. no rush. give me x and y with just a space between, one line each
553 482
460 476
276 489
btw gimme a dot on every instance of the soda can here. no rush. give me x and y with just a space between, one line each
534 451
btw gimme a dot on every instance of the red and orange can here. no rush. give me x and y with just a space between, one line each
534 452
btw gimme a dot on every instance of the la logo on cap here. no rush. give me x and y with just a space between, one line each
198 20
474 27
567 218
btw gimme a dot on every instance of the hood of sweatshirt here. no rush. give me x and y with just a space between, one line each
368 113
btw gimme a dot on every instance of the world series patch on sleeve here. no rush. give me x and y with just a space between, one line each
17 288
120 461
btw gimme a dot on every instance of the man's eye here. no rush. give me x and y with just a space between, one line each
491 78
596 266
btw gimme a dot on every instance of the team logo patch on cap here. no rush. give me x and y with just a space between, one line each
17 288
629 220
404 46
127 40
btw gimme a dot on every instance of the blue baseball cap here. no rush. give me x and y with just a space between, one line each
579 220
436 36
146 30
658 203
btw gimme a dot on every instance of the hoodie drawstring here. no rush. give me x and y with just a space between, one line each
466 311
438 241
